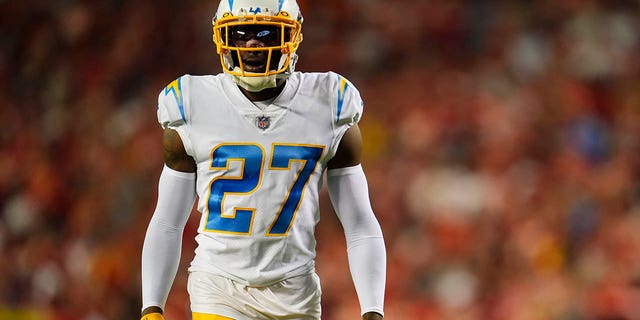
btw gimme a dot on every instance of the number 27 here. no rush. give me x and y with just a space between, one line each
252 158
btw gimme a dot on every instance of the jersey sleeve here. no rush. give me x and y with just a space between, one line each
347 107
174 110
171 104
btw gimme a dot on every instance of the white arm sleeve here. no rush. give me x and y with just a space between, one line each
163 242
366 251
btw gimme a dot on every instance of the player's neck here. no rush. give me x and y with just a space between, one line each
265 94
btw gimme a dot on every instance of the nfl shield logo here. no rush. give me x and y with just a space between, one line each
263 122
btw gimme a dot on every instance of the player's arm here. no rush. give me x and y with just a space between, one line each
163 241
348 190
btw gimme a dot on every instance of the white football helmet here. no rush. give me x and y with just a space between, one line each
277 24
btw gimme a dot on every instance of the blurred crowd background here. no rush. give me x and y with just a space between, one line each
501 147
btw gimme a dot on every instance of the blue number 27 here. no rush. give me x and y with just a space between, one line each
251 156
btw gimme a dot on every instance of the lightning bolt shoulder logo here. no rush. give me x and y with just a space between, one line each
344 84
175 87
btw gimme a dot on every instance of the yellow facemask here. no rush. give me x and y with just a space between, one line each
283 47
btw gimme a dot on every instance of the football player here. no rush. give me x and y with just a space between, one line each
253 143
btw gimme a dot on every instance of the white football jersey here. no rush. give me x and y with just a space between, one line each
259 168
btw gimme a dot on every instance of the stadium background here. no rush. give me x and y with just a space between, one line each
501 148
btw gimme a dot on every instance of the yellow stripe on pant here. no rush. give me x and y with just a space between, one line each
205 316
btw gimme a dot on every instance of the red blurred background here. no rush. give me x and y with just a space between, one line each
501 147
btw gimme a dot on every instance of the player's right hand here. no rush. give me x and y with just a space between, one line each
153 316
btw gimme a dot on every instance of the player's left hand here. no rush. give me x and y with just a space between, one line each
372 316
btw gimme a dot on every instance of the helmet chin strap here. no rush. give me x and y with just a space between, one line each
255 84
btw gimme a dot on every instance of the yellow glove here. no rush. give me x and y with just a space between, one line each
152 316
